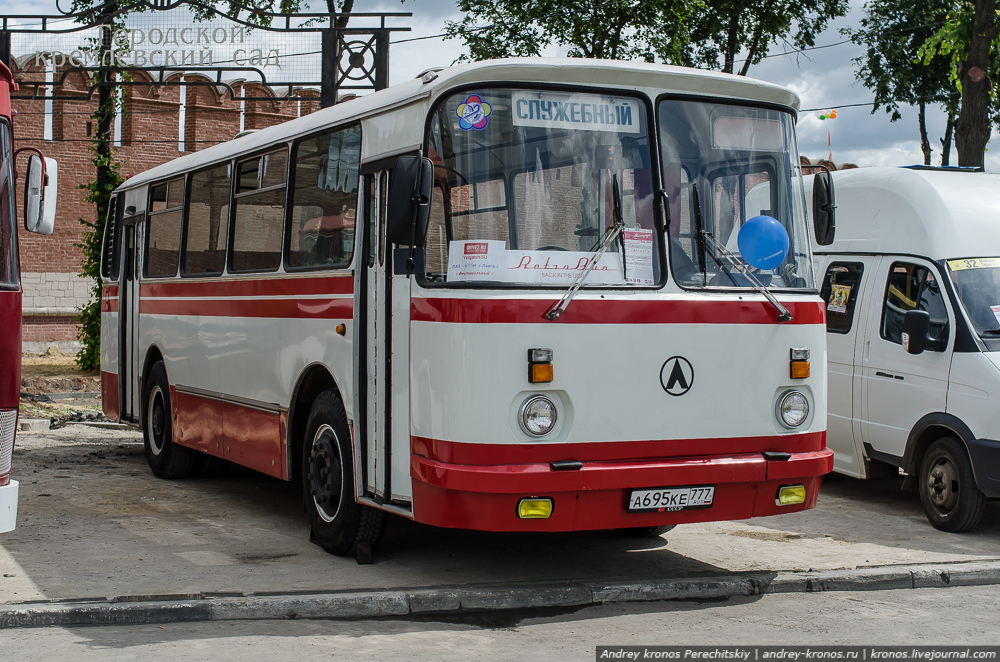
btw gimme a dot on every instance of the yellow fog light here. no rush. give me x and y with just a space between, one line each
534 508
789 495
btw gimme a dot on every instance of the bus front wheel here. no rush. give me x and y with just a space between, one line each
948 490
338 521
166 459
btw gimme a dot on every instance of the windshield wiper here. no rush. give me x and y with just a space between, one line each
783 314
699 240
609 237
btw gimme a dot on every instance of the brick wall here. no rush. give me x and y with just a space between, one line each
150 130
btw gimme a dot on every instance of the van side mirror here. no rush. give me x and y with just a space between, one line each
824 206
409 202
40 187
916 333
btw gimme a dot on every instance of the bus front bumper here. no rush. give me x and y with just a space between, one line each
595 496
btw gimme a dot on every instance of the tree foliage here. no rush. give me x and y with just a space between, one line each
603 29
892 67
721 29
969 38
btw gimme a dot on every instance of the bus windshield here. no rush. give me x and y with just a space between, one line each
724 165
8 238
525 183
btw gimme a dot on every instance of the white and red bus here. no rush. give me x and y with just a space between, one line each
38 214
518 295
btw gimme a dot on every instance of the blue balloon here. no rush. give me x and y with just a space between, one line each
763 242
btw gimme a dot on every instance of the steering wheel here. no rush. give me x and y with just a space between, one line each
551 248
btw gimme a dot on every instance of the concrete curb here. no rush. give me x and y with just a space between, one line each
135 610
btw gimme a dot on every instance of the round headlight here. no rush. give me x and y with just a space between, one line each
538 415
793 409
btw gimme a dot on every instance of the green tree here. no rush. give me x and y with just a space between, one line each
608 29
893 32
722 29
969 38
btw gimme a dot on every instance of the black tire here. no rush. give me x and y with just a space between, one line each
948 490
166 459
338 521
646 531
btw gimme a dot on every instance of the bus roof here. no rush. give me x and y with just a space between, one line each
932 213
639 76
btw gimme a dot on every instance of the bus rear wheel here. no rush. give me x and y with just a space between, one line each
948 490
166 459
339 522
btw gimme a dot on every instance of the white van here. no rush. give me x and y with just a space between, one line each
912 290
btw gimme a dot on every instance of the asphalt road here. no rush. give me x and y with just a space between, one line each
94 522
966 616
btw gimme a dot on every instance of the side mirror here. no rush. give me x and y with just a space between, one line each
409 200
916 333
823 211
40 188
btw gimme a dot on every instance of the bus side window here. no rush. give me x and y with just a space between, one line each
260 212
324 200
207 221
912 287
840 292
163 234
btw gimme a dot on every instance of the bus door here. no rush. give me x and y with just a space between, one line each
128 320
383 382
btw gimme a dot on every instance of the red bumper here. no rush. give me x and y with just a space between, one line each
594 497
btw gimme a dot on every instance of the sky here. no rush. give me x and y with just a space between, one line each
822 79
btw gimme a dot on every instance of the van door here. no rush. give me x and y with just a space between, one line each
843 291
383 383
899 388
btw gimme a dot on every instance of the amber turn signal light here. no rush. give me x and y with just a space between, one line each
541 373
540 366
341 329
800 369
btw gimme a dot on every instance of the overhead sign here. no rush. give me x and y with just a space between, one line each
481 260
590 112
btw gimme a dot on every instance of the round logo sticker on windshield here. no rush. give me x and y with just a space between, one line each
474 113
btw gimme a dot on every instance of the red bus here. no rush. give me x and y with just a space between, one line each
36 219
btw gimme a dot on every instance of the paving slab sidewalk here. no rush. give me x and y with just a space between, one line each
94 523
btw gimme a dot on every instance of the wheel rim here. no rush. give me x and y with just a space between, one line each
155 420
943 485
326 473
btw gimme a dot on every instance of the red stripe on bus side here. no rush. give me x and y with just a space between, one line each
525 311
260 287
270 308
470 453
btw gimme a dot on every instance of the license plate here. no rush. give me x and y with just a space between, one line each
669 499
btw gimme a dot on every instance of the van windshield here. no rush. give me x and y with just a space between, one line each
524 188
735 185
977 282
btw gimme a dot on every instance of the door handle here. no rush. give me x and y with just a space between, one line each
868 344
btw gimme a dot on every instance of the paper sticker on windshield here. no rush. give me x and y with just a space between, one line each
561 268
474 113
479 260
590 112
974 263
838 298
996 312
638 256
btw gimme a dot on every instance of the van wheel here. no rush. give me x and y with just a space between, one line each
338 521
948 488
646 531
166 459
